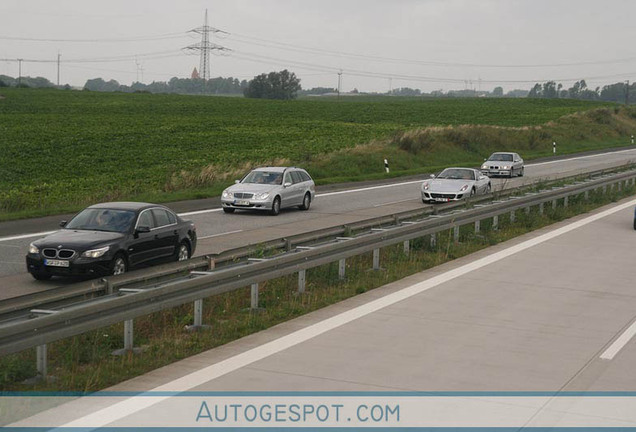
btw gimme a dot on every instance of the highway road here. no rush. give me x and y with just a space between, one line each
219 232
551 311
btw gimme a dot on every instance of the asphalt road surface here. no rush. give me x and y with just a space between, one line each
218 231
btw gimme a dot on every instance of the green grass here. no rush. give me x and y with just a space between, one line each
85 363
61 150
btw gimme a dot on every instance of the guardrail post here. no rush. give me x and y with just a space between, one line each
341 268
554 204
198 312
540 208
604 188
301 281
512 216
495 222
527 209
198 317
456 233
376 259
433 239
587 195
565 202
254 296
619 184
407 247
128 340
128 335
41 361
477 226
211 262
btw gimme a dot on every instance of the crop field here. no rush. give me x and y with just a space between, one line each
61 150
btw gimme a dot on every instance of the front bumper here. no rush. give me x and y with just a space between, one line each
493 172
248 204
430 196
77 267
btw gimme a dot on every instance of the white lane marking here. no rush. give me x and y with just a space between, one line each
24 236
220 234
200 212
396 202
619 343
130 406
581 157
340 192
369 188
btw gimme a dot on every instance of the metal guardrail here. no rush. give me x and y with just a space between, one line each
129 303
66 295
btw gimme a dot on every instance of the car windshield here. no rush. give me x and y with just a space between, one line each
97 219
500 157
264 177
457 174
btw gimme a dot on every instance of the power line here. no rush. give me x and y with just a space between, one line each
299 48
106 40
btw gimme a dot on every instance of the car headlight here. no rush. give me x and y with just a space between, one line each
262 196
227 194
425 186
463 188
484 166
33 249
506 167
95 253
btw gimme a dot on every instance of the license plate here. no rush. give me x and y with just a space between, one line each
442 199
56 263
242 202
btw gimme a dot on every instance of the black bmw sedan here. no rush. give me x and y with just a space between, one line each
111 238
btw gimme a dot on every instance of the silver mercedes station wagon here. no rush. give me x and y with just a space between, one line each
270 189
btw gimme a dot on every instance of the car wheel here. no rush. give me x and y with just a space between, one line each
228 210
306 202
41 276
472 193
275 207
183 253
521 172
488 188
512 172
118 265
634 228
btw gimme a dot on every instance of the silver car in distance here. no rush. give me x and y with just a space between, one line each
270 189
503 164
454 184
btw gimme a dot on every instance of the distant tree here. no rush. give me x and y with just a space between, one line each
274 85
497 91
517 93
406 91
549 90
318 91
535 92
3 84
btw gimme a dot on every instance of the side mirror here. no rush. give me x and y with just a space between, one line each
485 159
63 223
432 175
287 184
142 230
237 181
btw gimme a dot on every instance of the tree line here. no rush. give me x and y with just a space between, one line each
617 92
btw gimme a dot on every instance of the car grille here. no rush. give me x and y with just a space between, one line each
62 253
438 195
241 195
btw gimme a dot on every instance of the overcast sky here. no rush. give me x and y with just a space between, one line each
378 44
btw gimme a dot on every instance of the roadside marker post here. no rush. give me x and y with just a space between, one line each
553 147
386 165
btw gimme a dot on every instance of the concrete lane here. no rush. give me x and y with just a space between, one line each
329 209
532 314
